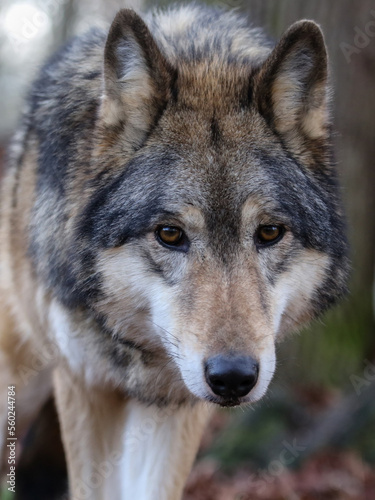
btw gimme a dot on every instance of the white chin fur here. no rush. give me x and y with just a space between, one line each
267 364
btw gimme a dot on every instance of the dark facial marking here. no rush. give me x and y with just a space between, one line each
215 132
123 209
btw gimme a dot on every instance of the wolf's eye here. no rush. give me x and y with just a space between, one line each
268 235
171 237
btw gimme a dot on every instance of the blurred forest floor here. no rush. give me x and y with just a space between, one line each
327 476
267 455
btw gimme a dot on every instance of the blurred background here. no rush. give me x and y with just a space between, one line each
313 437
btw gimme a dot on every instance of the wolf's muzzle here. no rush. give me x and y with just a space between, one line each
231 377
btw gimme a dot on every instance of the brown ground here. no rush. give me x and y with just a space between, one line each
329 476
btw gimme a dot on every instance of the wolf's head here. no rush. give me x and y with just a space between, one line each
215 221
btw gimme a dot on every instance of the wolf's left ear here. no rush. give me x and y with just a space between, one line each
137 77
291 86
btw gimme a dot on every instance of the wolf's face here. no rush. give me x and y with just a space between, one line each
217 250
221 230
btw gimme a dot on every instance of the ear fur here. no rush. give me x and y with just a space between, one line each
137 77
291 87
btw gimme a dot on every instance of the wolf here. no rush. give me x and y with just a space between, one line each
170 211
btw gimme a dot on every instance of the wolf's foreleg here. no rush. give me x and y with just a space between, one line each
159 449
122 449
92 422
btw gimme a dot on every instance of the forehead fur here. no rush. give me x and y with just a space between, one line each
185 33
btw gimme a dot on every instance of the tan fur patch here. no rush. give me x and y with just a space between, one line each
315 122
285 94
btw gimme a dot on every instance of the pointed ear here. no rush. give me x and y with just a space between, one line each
291 87
137 77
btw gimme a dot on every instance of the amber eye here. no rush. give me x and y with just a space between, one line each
267 235
171 236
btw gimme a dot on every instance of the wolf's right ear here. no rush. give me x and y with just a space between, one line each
137 77
291 86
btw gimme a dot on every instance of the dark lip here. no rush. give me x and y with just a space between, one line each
231 403
226 403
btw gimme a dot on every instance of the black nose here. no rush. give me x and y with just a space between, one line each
231 376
